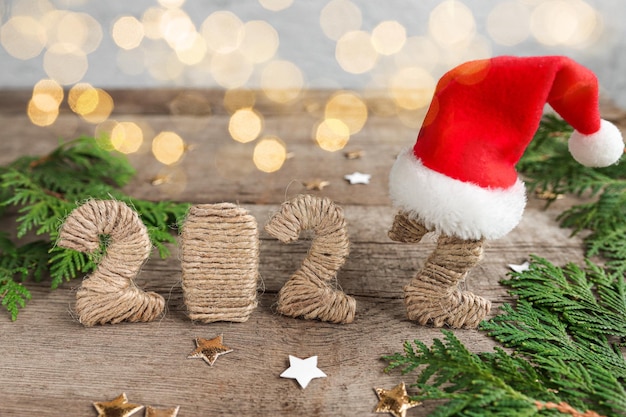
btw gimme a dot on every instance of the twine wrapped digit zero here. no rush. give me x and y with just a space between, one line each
220 262
109 295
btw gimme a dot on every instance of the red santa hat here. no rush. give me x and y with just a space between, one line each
460 178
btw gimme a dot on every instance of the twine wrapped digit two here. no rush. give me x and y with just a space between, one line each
433 295
109 295
308 292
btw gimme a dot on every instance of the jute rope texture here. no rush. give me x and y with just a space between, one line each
220 261
308 293
109 295
433 295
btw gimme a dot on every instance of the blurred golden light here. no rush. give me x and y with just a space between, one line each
412 88
171 4
78 29
479 47
235 99
451 22
45 102
36 8
560 22
275 5
101 111
151 20
168 147
332 135
269 154
47 95
162 62
65 63
177 29
230 70
245 125
82 98
43 108
127 32
418 51
194 51
102 134
23 37
260 41
282 81
508 23
223 31
388 37
412 118
589 25
355 53
42 117
349 108
126 137
339 17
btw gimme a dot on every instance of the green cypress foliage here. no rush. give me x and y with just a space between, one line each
566 331
41 191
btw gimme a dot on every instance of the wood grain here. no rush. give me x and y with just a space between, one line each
51 365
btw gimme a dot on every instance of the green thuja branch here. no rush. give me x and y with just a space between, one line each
567 328
548 166
42 190
564 334
474 384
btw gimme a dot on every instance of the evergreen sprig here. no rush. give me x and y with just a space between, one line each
548 166
43 190
564 333
567 328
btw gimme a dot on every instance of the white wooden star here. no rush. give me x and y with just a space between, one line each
358 178
303 370
521 267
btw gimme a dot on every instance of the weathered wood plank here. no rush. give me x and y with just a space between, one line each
51 365
66 366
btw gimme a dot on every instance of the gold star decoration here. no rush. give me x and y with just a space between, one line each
394 401
209 350
119 407
548 195
316 184
357 154
161 179
161 412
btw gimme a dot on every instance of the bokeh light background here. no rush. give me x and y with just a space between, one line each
373 57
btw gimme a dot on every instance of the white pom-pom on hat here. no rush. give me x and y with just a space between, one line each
599 149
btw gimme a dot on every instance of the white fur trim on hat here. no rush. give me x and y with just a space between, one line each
599 149
451 206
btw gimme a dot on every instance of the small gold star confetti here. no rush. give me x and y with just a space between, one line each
161 179
548 195
356 154
161 412
119 407
317 185
209 350
394 401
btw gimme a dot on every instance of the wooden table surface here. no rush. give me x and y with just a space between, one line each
53 366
